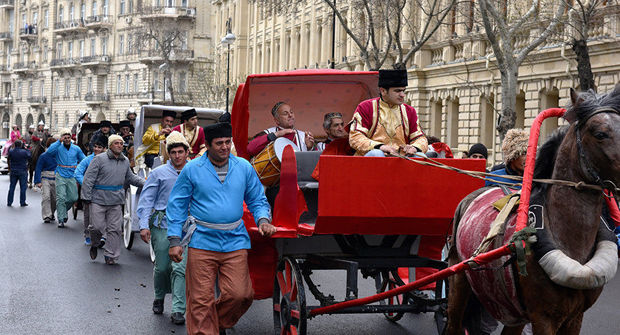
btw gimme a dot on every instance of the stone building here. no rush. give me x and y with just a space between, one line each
59 57
453 82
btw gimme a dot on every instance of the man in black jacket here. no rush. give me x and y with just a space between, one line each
18 163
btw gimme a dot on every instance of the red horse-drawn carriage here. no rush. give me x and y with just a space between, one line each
365 215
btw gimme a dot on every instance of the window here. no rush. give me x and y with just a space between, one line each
42 88
78 87
93 44
30 89
24 22
104 81
59 50
67 87
155 81
35 18
130 9
135 83
94 9
71 12
46 19
81 48
45 51
57 88
19 90
118 84
122 10
104 45
129 40
89 85
70 49
127 84
83 11
182 83
121 44
105 7
60 14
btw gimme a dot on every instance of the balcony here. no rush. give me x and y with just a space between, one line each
8 4
6 36
176 56
71 26
5 69
64 63
6 101
26 68
94 99
96 62
99 22
167 12
30 33
37 101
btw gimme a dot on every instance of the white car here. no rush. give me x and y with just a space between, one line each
4 164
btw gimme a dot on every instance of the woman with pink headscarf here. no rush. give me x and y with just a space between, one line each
15 135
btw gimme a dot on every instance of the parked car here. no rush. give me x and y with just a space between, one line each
4 164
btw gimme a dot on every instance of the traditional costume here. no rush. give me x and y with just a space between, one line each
168 276
210 199
103 186
100 136
153 141
195 137
44 175
15 135
514 146
376 123
67 158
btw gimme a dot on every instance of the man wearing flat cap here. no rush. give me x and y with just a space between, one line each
386 125
67 156
101 134
194 135
208 195
155 135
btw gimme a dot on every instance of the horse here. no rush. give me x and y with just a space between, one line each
36 150
553 295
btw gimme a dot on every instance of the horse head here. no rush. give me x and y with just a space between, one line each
596 122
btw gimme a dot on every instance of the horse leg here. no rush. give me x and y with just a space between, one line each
458 297
572 326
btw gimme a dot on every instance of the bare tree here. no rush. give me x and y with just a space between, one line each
503 27
382 30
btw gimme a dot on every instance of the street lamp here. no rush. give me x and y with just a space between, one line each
227 41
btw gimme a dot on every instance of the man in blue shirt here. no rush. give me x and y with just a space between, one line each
44 178
18 163
67 157
98 147
514 150
168 277
209 195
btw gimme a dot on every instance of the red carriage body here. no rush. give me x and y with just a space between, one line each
356 195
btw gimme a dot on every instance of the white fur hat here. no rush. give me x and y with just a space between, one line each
64 131
174 138
113 138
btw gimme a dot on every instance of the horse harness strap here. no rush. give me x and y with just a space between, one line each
505 206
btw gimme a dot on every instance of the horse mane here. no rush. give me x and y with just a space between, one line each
545 160
589 101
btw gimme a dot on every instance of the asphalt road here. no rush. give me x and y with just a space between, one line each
49 285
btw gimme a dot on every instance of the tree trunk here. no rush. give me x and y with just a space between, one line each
508 114
584 69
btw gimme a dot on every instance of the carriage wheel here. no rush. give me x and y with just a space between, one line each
127 228
391 280
289 299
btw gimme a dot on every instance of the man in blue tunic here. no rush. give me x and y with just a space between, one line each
67 157
209 195
168 277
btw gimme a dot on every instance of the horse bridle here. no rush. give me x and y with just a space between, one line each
583 161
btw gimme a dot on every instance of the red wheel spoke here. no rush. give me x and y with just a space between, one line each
283 331
276 307
293 290
295 313
281 283
293 330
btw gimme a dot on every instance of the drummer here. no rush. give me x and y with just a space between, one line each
284 119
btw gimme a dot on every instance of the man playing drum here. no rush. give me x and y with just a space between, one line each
208 197
194 135
386 125
155 135
284 118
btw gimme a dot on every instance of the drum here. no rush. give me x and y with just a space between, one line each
267 162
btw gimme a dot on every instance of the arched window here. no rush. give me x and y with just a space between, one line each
436 116
61 15
487 124
453 123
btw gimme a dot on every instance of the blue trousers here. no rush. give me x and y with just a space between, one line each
22 177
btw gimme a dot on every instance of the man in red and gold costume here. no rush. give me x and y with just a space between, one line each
284 119
386 125
194 135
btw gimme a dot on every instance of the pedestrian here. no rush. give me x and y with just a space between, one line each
209 195
67 156
168 277
104 131
103 189
14 136
18 162
99 147
45 179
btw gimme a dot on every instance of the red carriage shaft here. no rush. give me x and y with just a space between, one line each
481 259
528 174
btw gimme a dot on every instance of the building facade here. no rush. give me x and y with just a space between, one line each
453 82
58 57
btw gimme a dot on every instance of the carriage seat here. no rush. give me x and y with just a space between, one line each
306 162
